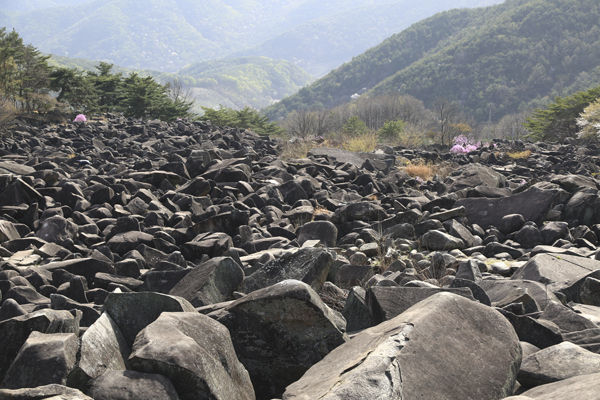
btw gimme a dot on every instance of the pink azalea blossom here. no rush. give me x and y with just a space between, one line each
458 149
80 118
470 148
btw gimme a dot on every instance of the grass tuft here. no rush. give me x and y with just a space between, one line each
519 155
365 143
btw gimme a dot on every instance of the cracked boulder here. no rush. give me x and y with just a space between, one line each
42 360
195 353
309 265
213 281
279 332
445 347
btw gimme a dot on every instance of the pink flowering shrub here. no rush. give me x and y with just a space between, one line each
458 149
463 145
80 118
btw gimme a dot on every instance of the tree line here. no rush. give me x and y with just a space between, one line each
29 85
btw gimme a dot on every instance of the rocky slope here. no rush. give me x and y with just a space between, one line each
182 261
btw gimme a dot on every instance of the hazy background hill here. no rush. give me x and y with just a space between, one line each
166 35
492 61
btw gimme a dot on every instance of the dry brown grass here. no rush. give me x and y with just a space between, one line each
365 143
420 170
519 155
298 149
8 112
426 171
321 211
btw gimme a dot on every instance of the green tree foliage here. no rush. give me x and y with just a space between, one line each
392 130
354 126
24 74
26 82
559 119
246 118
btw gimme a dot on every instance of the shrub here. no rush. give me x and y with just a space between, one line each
463 145
355 126
589 122
80 118
392 130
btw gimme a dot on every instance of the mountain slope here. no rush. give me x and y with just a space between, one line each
236 83
325 43
245 81
166 35
493 61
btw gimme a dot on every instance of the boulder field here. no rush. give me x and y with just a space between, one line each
154 260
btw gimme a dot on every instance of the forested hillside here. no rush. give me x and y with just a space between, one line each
493 61
234 82
167 35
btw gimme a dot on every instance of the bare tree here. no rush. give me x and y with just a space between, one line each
447 113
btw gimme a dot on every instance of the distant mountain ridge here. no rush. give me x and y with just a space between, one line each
236 83
493 61
166 35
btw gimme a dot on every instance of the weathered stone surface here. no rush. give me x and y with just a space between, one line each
15 331
50 392
279 332
387 302
532 204
309 265
556 271
87 267
499 289
211 282
565 318
356 311
324 231
438 240
132 385
8 231
195 353
584 386
556 363
102 348
413 356
42 360
134 311
539 332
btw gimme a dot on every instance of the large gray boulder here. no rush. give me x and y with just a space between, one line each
15 331
324 231
556 271
279 332
386 302
500 289
103 347
134 311
50 392
533 204
57 229
309 265
42 360
472 175
195 353
211 282
132 385
556 363
578 387
8 231
445 347
438 240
